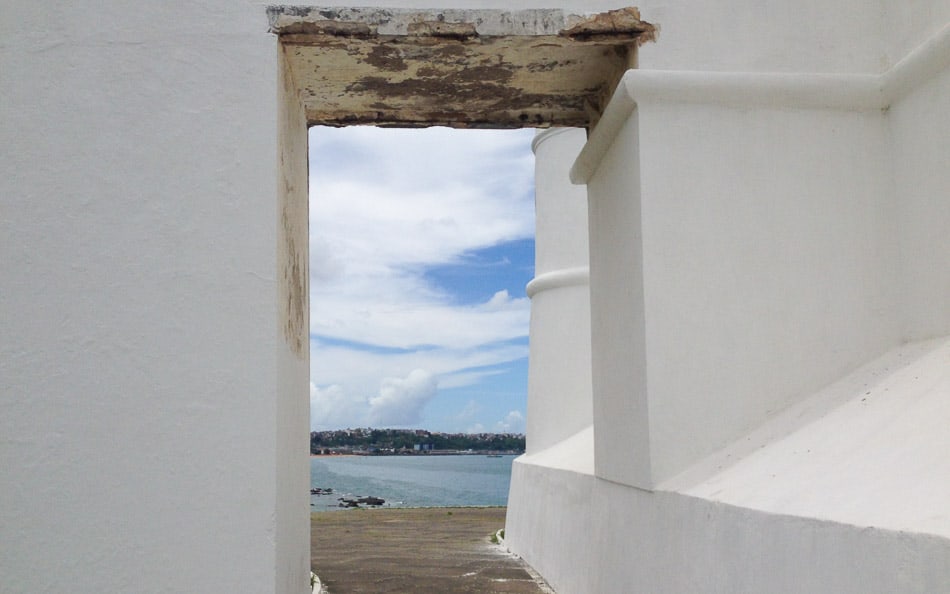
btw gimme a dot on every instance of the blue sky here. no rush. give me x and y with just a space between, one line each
422 242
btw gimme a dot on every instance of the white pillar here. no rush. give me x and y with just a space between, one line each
559 373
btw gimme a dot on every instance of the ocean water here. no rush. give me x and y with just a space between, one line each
412 481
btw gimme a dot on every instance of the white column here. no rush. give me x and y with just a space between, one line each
559 373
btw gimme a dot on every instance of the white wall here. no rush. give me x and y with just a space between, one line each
560 206
618 539
693 545
138 305
618 331
757 262
908 23
764 36
555 543
757 235
843 492
791 229
770 264
559 383
920 129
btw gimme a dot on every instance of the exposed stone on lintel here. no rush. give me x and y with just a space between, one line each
460 68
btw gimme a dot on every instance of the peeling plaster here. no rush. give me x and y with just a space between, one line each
620 23
293 289
459 68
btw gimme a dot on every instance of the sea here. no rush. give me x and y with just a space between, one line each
411 481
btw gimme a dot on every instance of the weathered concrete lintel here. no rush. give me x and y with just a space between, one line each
460 68
623 24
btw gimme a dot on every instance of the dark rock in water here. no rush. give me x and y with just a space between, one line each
374 501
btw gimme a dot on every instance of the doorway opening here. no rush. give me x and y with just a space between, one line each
421 245
410 68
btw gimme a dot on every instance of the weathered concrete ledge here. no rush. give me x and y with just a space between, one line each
484 22
460 68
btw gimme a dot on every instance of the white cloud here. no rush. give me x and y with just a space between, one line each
361 370
403 201
408 159
385 206
332 407
512 423
460 379
402 321
400 400
501 301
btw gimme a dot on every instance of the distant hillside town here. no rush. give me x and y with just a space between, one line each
367 441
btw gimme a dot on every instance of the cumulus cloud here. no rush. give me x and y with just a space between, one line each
512 423
397 403
332 407
400 400
501 301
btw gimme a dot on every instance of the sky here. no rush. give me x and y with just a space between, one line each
421 244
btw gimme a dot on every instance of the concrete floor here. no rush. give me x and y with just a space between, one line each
434 550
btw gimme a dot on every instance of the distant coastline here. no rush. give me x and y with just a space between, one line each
413 442
355 454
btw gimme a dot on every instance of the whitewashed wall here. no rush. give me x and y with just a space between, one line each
909 23
559 387
139 343
769 266
768 225
920 128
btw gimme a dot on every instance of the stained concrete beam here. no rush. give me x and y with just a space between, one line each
459 68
